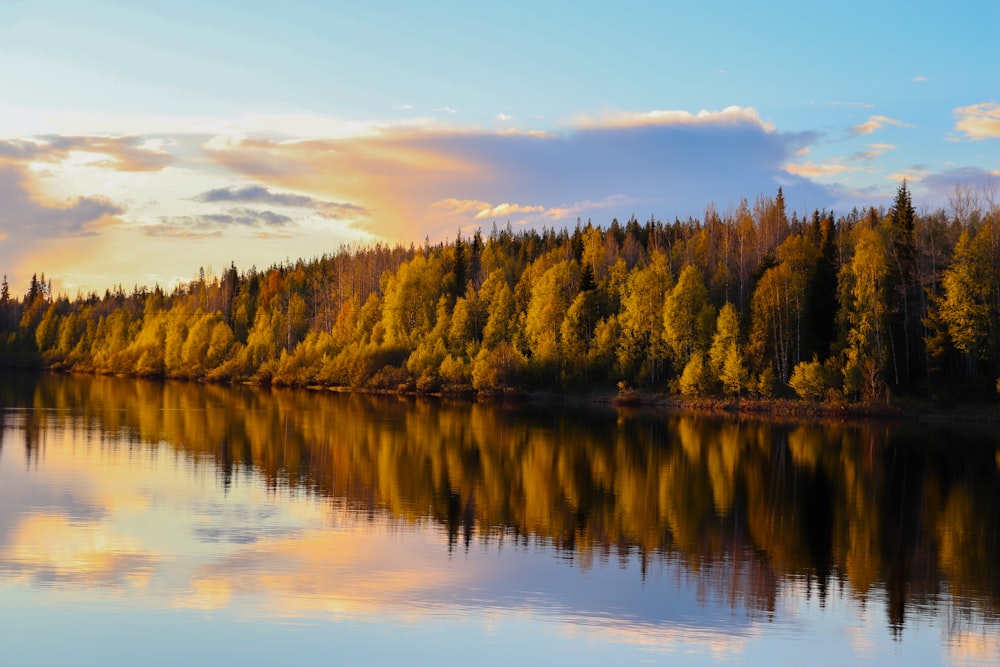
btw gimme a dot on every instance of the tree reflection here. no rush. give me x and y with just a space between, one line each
909 513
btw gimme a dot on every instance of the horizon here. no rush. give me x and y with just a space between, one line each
141 143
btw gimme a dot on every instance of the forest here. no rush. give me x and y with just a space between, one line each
861 307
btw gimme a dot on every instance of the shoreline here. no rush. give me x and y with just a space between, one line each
979 411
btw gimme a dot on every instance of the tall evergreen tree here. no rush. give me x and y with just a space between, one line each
905 319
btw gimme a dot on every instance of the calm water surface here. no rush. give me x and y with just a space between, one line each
166 524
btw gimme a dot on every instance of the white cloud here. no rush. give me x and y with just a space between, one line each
731 115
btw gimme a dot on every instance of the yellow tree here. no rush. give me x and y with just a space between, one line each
688 316
778 307
642 344
726 355
411 296
866 307
551 296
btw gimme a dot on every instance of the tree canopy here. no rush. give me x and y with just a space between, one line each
864 305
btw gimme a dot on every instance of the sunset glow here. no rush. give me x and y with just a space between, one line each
330 124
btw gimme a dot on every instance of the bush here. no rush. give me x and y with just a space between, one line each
765 383
497 369
809 380
696 380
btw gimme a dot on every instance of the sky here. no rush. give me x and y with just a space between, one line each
143 140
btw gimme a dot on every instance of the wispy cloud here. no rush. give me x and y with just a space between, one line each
877 123
261 195
911 175
919 79
117 153
874 151
481 210
813 170
732 115
979 121
207 225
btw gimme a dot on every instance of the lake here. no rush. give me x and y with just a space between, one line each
162 523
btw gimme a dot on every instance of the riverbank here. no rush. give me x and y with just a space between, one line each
902 409
980 411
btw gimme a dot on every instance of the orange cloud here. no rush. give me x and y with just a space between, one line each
877 123
384 174
979 121
910 175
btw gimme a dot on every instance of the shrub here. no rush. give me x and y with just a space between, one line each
809 380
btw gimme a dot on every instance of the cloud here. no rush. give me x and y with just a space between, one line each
911 175
874 150
732 115
29 217
118 153
919 79
877 123
813 170
446 109
503 117
213 225
662 163
507 210
937 188
261 195
979 121
481 210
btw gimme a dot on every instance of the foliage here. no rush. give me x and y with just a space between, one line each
736 303
809 380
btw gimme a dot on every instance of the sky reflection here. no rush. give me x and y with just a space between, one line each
99 530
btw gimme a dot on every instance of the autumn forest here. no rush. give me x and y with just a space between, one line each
754 302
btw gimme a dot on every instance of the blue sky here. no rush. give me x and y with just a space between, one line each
329 123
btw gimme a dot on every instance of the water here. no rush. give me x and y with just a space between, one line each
167 523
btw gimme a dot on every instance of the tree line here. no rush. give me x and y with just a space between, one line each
751 302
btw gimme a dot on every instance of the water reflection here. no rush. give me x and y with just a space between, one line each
355 505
